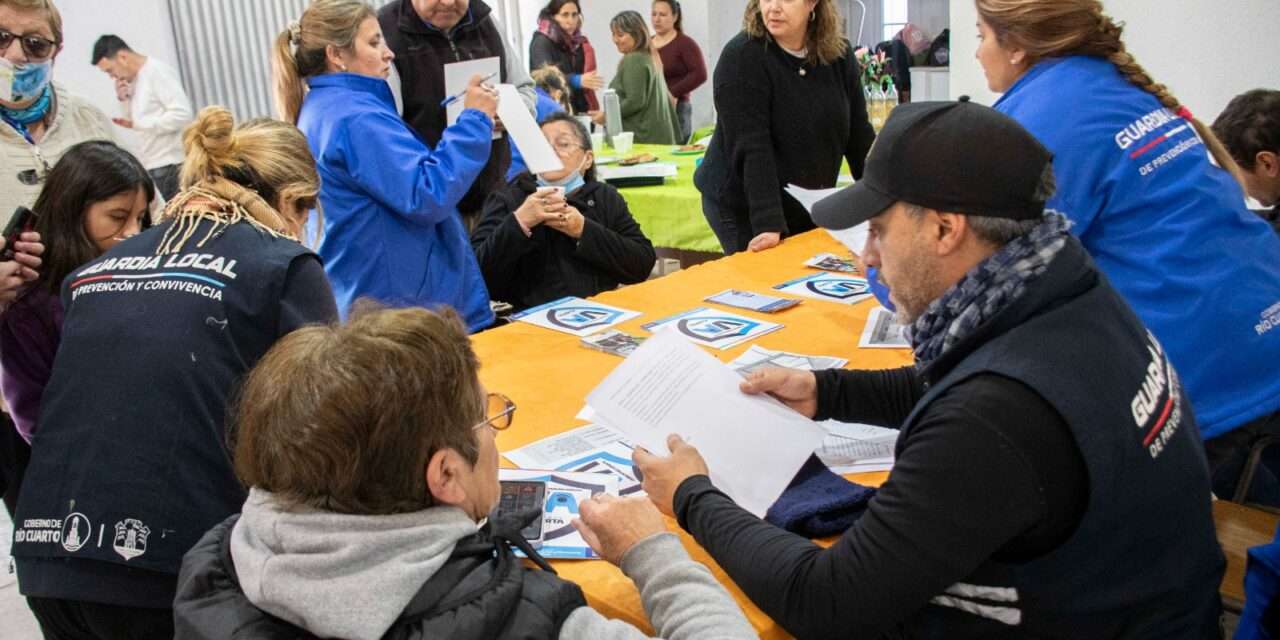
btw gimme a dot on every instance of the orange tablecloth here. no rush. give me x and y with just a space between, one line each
548 375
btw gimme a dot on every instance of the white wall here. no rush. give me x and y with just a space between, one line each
144 24
1206 51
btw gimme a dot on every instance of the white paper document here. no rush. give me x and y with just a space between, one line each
753 445
646 170
758 357
882 331
594 448
458 74
854 238
525 132
574 315
857 448
809 197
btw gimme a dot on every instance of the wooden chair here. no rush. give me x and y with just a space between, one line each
1239 527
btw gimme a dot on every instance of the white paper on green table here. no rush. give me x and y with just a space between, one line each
753 445
524 131
458 74
645 170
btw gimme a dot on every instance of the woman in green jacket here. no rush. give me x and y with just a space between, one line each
647 108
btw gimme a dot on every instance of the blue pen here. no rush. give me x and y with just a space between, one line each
458 96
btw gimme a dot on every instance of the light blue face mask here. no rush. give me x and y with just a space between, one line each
22 82
571 182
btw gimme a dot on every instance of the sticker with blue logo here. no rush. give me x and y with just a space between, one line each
829 286
715 328
575 315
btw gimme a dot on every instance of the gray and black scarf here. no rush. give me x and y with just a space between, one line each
986 290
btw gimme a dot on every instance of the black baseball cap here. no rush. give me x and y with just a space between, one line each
958 157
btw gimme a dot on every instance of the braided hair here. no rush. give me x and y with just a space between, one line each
1055 28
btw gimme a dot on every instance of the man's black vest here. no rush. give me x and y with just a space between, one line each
421 53
130 463
1144 561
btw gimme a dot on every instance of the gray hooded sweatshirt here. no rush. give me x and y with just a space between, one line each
351 576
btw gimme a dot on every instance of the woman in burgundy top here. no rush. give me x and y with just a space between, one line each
682 63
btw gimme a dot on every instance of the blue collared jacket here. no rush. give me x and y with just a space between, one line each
1169 229
392 231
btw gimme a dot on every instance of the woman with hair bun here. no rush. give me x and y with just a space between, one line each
131 463
1165 225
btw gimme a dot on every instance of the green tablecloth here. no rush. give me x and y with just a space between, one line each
670 214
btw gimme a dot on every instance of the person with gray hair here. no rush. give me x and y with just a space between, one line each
647 110
1048 476
370 449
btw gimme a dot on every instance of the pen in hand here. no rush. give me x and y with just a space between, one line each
458 96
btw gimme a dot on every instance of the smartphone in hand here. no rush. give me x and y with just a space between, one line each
23 220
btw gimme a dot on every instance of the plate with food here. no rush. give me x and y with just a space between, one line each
606 159
639 158
689 150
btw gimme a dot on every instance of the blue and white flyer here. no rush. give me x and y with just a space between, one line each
833 287
714 328
575 316
565 492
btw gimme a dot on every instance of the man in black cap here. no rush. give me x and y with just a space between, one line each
1049 479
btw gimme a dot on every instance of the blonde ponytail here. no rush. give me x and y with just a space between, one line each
288 90
1055 28
300 51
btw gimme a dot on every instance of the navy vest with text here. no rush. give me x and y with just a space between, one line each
1144 561
130 464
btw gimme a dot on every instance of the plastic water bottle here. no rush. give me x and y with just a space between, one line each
612 114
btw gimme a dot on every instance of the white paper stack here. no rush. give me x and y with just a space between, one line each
753 445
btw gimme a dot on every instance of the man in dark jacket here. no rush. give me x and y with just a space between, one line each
536 244
1250 130
1049 479
368 500
426 35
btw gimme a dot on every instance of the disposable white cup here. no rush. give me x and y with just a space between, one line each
622 141
597 141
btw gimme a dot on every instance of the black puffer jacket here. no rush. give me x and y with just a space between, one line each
527 271
482 592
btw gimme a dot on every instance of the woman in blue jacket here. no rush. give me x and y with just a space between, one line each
1167 227
391 226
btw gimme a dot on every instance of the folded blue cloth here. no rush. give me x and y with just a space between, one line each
819 503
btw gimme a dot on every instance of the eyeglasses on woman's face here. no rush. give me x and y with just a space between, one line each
500 411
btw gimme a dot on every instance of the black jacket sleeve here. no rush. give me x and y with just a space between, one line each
543 52
881 397
861 133
961 491
499 243
740 87
616 243
306 297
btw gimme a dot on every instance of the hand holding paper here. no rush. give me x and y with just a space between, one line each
752 445
662 476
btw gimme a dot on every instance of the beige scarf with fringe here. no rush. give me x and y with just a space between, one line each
223 203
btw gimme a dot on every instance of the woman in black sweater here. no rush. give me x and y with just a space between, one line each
536 244
790 107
